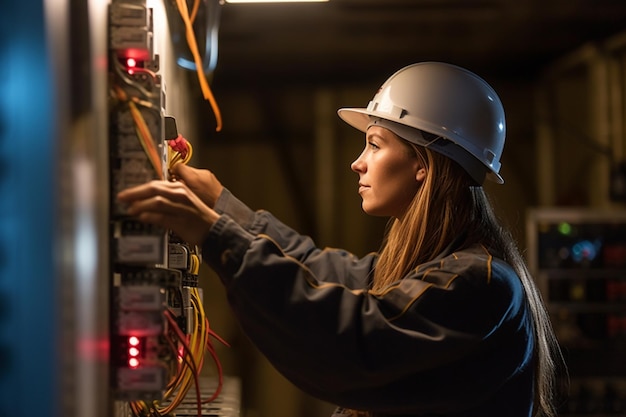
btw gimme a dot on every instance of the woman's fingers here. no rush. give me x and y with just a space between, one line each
139 192
175 191
192 227
170 205
182 171
157 204
161 197
202 182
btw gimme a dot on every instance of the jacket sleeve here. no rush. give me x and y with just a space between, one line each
346 268
382 352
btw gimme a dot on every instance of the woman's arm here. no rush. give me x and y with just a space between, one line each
356 348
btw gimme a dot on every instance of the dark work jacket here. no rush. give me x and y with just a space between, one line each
452 338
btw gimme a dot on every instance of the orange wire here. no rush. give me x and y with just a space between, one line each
146 139
193 46
143 132
194 11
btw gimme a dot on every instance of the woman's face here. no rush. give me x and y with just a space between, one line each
389 173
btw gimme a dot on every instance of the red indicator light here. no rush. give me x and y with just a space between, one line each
134 351
131 64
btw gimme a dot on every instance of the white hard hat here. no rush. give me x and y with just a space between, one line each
445 100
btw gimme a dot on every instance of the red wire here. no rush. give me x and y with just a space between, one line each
211 349
220 376
187 358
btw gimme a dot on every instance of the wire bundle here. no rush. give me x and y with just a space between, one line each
189 351
179 151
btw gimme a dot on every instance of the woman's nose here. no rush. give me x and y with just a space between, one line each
357 165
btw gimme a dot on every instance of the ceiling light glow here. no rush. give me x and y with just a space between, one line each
277 1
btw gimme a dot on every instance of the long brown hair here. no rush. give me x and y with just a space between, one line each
447 204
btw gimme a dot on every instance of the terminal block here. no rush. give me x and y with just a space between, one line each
138 244
140 350
131 29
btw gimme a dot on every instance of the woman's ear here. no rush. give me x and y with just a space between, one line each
420 175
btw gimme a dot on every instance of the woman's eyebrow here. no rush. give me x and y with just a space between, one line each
374 135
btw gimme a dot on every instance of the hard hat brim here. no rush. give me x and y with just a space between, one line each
360 119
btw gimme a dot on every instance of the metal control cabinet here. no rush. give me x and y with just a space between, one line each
159 332
578 258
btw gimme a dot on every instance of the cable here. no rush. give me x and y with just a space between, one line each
190 372
211 37
197 301
179 151
143 132
193 47
121 73
190 360
194 268
194 11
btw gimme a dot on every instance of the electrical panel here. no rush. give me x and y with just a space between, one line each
140 278
578 257
158 330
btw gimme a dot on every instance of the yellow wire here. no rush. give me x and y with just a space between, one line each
203 330
189 153
197 343
184 376
195 264
176 157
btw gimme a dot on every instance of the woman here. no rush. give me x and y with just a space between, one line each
444 321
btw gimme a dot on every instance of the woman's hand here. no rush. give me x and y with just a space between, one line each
171 205
201 182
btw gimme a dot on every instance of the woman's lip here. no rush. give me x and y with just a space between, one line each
363 188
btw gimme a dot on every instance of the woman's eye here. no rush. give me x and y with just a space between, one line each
373 145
